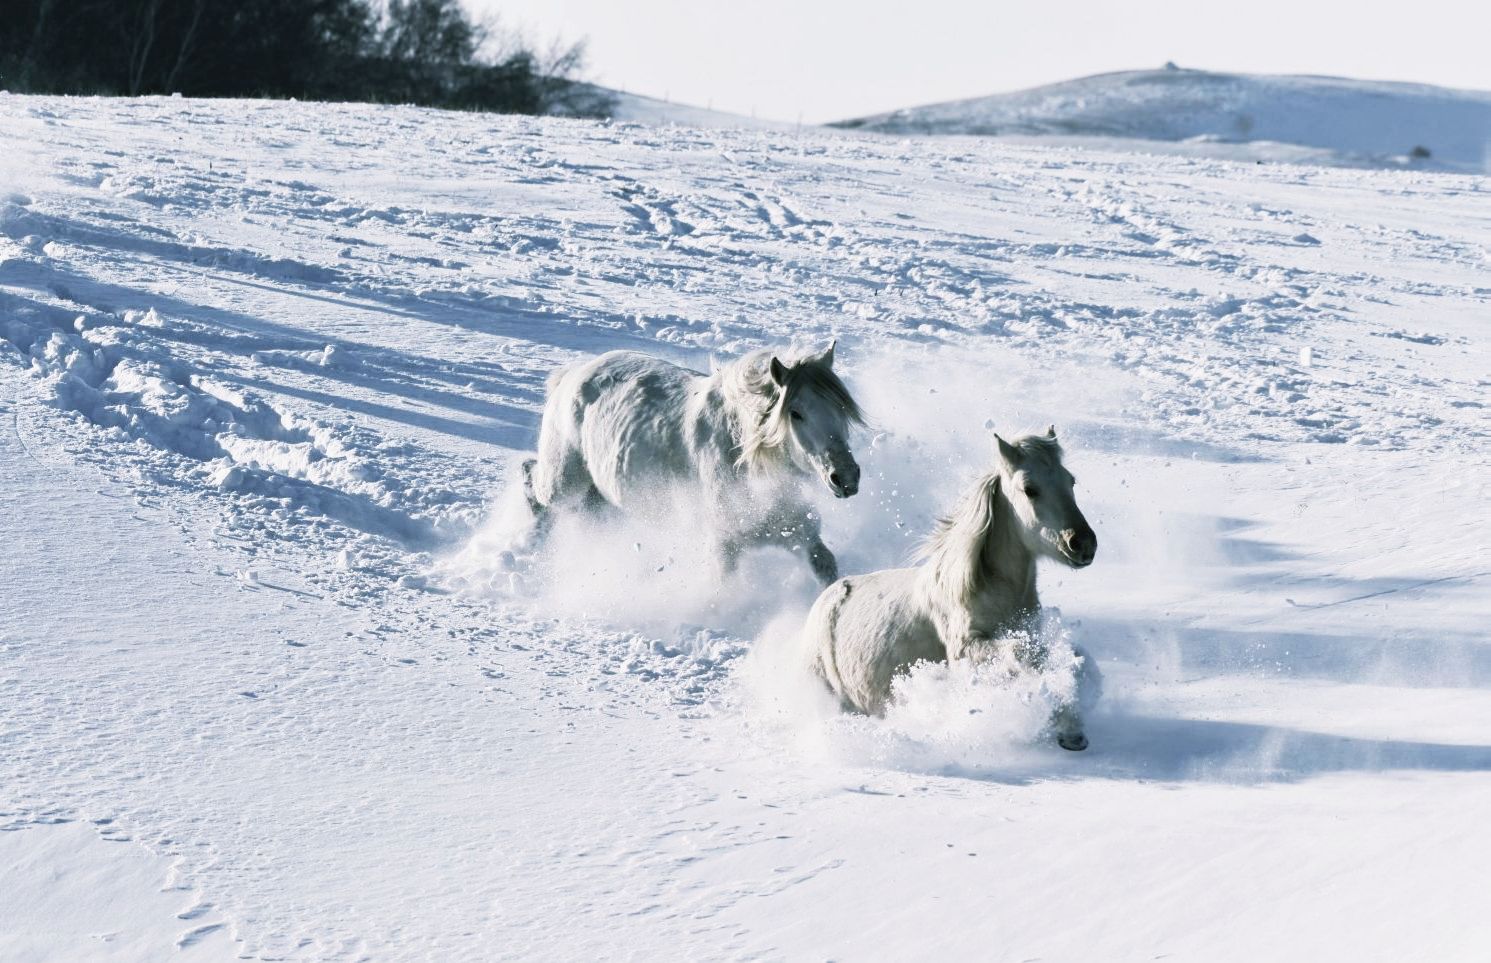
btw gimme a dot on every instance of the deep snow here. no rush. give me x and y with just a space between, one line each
264 691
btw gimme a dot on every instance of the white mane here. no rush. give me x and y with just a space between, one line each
954 552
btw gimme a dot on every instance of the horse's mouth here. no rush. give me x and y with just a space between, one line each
842 491
1077 548
1076 561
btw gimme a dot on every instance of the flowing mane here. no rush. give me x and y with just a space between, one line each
954 552
760 406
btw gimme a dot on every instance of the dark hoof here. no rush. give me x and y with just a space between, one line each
1072 742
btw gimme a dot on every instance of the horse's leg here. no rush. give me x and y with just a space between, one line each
557 481
728 550
1066 722
822 561
800 531
542 520
529 534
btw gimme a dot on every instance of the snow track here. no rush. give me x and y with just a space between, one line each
266 368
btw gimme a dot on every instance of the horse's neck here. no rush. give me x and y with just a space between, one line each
738 417
717 429
992 597
1008 585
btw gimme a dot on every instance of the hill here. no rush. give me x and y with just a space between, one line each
1358 122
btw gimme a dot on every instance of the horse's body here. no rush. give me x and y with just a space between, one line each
623 429
977 585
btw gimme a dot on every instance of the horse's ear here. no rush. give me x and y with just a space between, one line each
1051 432
778 371
826 356
1008 452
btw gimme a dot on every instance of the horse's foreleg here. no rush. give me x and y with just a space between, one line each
1066 722
822 561
727 552
804 534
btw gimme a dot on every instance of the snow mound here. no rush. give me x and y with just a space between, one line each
1355 122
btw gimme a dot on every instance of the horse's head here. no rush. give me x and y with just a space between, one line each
813 414
1039 489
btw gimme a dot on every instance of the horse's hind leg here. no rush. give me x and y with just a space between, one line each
559 482
542 518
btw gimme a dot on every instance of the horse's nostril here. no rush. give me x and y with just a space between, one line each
833 479
1082 545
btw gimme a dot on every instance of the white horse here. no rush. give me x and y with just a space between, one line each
976 586
622 428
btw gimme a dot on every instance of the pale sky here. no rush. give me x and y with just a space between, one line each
833 59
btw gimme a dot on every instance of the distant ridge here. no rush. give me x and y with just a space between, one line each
1367 121
635 108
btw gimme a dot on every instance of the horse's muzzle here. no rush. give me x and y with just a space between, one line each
1080 546
844 481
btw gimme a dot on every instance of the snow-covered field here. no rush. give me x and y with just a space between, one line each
1321 120
264 692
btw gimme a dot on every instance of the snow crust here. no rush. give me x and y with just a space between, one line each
266 371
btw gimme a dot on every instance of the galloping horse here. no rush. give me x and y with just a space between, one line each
620 428
975 587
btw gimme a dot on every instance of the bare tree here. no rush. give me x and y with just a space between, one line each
141 40
186 47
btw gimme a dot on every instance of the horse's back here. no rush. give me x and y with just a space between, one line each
865 628
625 414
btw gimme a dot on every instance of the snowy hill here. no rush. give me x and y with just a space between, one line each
1345 121
637 109
266 691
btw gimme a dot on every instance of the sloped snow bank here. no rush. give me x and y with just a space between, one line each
109 370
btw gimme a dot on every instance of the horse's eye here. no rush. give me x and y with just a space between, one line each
1031 492
796 416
